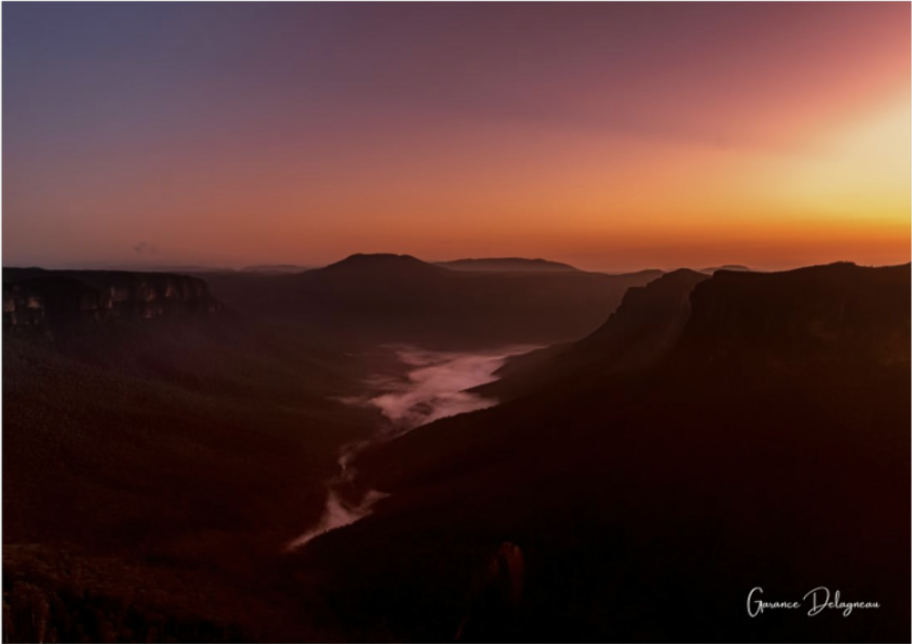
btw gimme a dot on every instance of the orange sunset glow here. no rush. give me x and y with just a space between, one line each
612 137
345 321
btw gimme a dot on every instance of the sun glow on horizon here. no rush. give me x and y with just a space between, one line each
613 137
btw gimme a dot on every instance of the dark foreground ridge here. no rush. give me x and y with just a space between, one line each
700 436
765 445
158 450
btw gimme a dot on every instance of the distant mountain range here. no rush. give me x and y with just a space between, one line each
373 297
485 264
725 267
506 264
399 298
276 268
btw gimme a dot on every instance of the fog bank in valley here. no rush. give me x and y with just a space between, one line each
435 386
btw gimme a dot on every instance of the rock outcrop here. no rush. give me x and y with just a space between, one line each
44 300
820 314
495 597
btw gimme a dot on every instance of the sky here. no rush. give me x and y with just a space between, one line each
610 136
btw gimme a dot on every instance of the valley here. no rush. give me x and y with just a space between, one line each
434 385
456 322
247 471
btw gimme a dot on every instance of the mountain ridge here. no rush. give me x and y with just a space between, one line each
692 475
399 298
506 264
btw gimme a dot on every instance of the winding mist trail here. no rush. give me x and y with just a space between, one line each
435 386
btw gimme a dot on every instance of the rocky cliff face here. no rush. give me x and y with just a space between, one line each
644 328
692 476
43 300
646 325
835 313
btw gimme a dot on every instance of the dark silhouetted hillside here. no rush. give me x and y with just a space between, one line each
711 435
158 450
802 317
509 264
642 330
726 267
768 446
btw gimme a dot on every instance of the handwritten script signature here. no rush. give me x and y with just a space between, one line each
820 599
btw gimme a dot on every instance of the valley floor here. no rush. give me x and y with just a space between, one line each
160 513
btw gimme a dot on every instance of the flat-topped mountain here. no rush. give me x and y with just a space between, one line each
379 266
497 264
726 267
388 297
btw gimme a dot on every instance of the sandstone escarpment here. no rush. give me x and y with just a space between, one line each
835 313
41 300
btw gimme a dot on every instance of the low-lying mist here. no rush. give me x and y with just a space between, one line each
435 386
